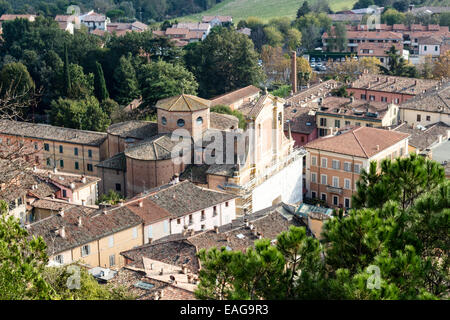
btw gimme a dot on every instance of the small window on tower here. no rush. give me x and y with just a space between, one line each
199 120
164 121
180 123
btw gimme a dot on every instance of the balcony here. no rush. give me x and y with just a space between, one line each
335 190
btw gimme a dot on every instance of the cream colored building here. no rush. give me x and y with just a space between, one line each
334 163
89 236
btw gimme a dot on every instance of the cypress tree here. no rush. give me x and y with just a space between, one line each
67 83
100 85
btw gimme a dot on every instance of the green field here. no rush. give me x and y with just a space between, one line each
264 9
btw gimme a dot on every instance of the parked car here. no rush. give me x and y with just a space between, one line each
313 60
319 64
313 65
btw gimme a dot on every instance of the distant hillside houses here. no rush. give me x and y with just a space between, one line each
184 33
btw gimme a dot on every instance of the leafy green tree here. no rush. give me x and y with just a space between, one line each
160 79
90 289
337 40
361 4
14 77
112 197
125 81
85 114
392 16
22 261
224 61
398 66
99 84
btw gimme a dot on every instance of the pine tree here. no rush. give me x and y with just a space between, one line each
100 85
126 87
67 82
303 10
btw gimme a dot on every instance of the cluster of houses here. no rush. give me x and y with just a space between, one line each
183 33
413 42
96 23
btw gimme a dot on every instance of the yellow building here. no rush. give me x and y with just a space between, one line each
90 236
68 150
334 113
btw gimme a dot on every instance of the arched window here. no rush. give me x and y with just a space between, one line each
164 121
180 123
199 120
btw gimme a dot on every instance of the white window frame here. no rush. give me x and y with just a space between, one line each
347 184
335 197
335 185
113 256
321 179
349 202
349 164
314 177
324 160
314 161
338 167
83 252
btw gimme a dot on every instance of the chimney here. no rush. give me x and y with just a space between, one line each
121 203
150 240
161 293
55 170
184 268
83 202
251 226
377 147
259 235
191 232
255 232
161 272
140 203
189 278
72 186
216 229
61 212
176 178
83 179
79 221
62 232
246 222
352 99
294 71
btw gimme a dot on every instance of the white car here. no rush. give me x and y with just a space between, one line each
313 65
313 59
318 64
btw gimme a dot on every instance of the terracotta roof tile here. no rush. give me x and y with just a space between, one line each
363 142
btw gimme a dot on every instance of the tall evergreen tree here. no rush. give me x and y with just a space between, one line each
303 10
126 87
100 85
67 83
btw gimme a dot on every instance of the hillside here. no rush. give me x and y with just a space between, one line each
264 9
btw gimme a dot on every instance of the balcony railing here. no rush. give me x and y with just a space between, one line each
331 189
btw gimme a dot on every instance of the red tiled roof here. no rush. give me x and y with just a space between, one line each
234 96
363 142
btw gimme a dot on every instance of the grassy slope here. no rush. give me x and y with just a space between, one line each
264 9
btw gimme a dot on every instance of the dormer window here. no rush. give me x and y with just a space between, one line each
180 123
199 120
163 121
